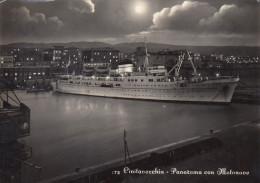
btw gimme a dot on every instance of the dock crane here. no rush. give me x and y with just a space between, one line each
177 67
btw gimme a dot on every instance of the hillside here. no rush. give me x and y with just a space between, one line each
204 50
130 47
81 45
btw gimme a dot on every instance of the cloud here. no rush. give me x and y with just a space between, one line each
23 15
25 25
116 20
81 6
55 21
182 17
232 19
201 17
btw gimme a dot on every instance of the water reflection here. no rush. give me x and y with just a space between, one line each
70 131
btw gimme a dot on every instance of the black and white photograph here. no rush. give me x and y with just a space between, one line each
129 91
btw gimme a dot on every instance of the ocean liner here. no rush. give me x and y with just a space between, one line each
152 83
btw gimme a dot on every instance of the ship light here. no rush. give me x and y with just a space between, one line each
217 74
24 126
107 77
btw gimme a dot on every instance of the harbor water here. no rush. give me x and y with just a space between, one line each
74 131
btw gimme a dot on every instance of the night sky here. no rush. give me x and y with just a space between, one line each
177 22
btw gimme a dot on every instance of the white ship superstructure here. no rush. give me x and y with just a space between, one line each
153 84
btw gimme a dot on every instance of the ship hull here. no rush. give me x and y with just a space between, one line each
215 91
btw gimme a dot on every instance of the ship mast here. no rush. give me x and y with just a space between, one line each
146 61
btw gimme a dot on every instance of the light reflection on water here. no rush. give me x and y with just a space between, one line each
69 131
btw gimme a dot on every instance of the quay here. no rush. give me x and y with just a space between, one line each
234 148
146 160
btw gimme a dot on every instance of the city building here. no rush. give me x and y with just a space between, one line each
23 56
16 75
101 57
53 55
6 61
165 57
61 57
27 57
